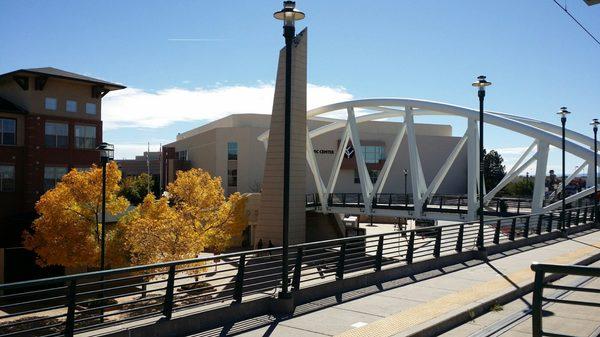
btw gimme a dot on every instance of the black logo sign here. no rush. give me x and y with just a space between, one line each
349 152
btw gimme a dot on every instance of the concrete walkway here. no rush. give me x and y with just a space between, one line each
422 304
514 319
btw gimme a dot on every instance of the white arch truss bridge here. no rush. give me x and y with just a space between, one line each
423 202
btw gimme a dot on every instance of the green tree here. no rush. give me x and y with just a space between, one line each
520 187
135 188
493 169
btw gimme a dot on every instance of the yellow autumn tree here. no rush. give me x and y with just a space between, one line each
68 229
195 216
156 234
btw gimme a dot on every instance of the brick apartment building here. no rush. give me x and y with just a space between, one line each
50 122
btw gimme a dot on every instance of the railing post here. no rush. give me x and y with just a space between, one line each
339 273
518 206
410 248
497 206
379 256
406 200
497 232
536 308
168 304
577 217
239 280
459 240
459 202
526 227
585 212
569 218
513 228
70 319
441 202
390 200
297 269
438 242
549 227
538 229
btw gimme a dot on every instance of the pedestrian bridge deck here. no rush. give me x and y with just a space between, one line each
432 302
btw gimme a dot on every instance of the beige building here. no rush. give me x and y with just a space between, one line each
229 148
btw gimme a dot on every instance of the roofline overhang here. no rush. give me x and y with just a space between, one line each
107 85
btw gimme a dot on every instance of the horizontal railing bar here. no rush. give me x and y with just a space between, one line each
573 302
564 269
587 290
119 304
33 311
45 327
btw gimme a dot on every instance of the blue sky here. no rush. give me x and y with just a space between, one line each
537 58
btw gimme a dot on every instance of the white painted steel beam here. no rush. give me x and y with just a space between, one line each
393 151
508 178
570 178
472 169
314 168
366 186
539 187
416 171
443 171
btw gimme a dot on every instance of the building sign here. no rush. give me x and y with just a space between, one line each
323 151
349 151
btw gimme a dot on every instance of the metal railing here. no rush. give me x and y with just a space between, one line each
539 285
437 203
75 303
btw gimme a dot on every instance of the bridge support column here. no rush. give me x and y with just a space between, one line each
539 188
472 169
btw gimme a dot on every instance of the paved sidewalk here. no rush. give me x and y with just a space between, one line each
406 306
514 318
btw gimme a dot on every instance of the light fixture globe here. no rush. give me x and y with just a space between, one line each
563 112
289 14
481 83
595 122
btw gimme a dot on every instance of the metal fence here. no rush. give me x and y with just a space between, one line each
75 303
538 298
436 203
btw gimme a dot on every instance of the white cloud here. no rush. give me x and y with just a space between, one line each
133 107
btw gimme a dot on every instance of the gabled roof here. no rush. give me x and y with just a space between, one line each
7 106
59 73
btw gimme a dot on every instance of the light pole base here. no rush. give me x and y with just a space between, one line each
283 305
482 253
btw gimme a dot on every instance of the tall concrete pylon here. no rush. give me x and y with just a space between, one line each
270 216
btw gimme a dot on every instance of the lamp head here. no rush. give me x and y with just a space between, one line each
289 14
595 122
563 112
481 83
107 151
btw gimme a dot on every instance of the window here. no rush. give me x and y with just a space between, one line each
50 103
8 131
90 108
373 154
57 135
52 175
232 151
232 177
182 155
7 178
373 174
85 137
71 106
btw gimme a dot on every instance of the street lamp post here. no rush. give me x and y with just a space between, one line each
289 14
595 123
563 120
106 154
481 83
